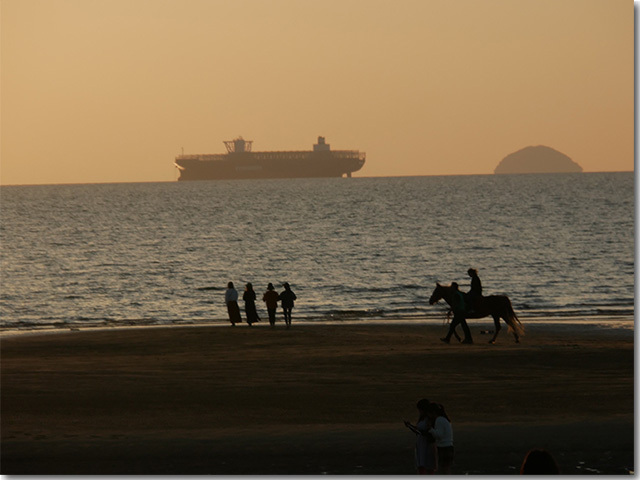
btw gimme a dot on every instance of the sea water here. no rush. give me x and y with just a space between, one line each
559 245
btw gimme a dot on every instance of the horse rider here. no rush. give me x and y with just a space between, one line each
459 312
475 294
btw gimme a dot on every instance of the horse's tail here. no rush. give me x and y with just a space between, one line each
513 321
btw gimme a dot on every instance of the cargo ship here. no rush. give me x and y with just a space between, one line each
240 162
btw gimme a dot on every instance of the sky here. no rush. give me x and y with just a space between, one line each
101 91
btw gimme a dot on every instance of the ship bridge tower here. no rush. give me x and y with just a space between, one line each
321 146
239 145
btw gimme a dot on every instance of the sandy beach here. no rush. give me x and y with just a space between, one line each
311 400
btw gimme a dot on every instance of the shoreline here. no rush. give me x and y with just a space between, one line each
311 400
604 321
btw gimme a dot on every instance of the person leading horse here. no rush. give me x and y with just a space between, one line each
496 306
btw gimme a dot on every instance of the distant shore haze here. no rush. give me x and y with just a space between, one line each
538 159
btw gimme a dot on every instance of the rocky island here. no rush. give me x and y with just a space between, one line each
538 159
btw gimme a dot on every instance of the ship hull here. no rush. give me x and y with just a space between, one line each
257 165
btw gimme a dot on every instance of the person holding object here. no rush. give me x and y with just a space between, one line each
426 452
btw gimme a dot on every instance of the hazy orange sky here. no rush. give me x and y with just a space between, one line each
111 90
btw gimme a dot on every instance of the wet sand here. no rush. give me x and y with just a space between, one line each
314 399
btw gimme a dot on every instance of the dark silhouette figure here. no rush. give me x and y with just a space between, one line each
271 297
459 311
539 462
442 432
249 298
498 306
426 450
231 299
287 298
475 293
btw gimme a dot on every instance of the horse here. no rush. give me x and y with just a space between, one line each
497 306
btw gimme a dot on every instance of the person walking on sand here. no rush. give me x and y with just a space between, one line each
475 293
271 297
287 298
231 299
442 432
459 312
249 298
426 450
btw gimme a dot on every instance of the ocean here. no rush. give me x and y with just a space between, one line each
561 246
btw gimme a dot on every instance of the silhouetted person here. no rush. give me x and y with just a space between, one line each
539 462
287 298
231 299
459 312
475 293
442 432
249 298
426 451
271 297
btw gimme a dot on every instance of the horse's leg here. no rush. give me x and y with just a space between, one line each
515 335
509 316
496 323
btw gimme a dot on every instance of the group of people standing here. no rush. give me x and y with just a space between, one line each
270 297
434 439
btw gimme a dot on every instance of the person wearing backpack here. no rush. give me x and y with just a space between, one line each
287 298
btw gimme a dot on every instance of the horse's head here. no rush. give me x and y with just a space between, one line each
437 294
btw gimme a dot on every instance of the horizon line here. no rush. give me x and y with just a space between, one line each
353 177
